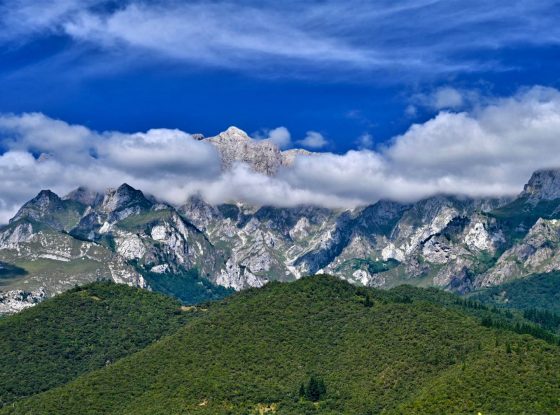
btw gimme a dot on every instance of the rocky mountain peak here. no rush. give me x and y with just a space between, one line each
123 197
289 156
45 201
444 240
234 145
199 212
543 185
263 156
45 196
234 134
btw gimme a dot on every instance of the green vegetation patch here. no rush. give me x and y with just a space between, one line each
78 331
187 286
540 291
370 265
140 221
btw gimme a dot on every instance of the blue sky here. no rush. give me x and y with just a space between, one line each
341 68
403 100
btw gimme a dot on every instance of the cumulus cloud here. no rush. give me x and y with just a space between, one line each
447 98
280 136
488 151
40 152
313 140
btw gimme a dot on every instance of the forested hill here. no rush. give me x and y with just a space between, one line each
540 291
78 331
322 346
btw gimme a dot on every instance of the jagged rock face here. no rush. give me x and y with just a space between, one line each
44 203
12 236
199 213
458 244
234 145
263 156
123 202
263 244
539 251
167 243
543 185
51 261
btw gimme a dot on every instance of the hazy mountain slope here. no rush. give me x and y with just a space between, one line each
83 329
252 353
541 291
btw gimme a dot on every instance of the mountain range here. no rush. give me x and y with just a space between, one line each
199 251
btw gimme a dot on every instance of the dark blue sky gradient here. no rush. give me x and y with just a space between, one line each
81 83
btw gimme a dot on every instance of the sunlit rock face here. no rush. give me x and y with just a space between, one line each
543 185
262 156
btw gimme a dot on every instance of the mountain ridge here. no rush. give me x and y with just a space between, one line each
457 243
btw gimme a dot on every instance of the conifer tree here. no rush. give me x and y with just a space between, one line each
302 391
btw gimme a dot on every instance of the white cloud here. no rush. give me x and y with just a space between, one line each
45 153
365 141
268 37
280 136
489 151
447 97
28 18
313 140
216 34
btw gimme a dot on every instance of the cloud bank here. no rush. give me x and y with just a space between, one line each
488 151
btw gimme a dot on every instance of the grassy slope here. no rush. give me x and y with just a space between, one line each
253 352
78 331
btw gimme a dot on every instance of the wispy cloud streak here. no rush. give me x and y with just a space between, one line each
413 36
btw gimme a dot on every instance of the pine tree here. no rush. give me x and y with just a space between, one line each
312 390
316 389
321 387
302 391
